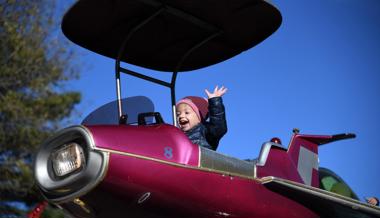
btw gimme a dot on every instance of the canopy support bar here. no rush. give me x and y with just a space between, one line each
178 67
121 50
198 22
144 77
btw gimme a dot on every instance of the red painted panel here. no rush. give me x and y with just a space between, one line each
315 178
164 142
279 164
191 192
307 141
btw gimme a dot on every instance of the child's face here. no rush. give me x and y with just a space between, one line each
186 117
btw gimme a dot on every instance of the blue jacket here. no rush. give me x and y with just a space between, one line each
208 133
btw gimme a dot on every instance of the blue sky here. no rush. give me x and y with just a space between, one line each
320 72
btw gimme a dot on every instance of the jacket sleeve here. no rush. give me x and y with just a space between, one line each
217 125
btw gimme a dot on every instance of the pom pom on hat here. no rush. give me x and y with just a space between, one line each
198 104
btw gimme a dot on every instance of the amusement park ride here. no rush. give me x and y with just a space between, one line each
125 161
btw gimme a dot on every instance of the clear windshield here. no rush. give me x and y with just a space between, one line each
108 113
330 181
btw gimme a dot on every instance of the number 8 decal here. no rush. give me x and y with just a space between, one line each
168 152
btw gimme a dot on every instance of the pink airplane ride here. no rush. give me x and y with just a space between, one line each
125 161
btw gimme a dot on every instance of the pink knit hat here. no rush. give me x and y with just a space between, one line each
198 104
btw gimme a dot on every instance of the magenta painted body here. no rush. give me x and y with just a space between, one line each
163 142
284 164
186 192
158 169
279 165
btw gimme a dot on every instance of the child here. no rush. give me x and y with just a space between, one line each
192 114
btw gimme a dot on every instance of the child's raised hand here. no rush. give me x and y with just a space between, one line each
372 200
218 92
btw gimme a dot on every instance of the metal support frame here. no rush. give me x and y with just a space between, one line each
214 33
121 50
179 64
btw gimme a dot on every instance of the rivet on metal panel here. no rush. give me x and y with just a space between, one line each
143 198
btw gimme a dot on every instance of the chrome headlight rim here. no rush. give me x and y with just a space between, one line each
59 189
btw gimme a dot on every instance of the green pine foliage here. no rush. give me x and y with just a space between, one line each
35 64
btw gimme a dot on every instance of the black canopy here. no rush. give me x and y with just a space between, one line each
173 29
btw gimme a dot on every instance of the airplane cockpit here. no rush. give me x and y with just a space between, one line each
330 181
140 111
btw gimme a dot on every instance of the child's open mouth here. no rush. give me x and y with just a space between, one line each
183 122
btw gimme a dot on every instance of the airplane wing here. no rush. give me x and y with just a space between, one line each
324 203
